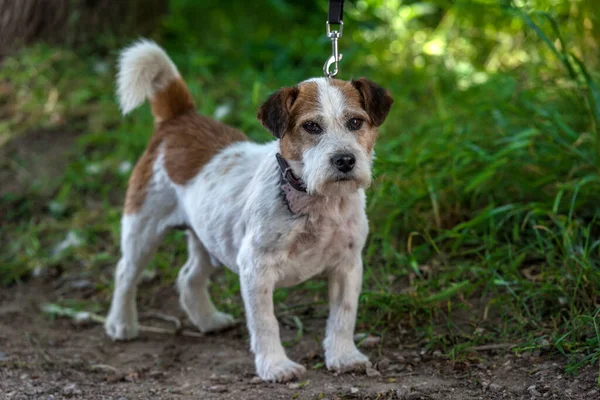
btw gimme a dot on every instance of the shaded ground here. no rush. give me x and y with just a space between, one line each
42 358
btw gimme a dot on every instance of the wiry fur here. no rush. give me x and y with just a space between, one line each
238 218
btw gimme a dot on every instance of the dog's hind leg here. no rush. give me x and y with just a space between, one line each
192 282
140 235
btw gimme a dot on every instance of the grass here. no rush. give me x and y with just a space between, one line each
484 217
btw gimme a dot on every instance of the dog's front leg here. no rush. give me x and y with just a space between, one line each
272 364
341 353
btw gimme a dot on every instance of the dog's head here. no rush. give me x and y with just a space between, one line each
327 129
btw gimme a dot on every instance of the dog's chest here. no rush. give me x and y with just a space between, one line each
320 243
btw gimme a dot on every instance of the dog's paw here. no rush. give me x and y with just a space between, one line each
216 322
120 327
352 360
280 371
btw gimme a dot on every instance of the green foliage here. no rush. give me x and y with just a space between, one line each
484 217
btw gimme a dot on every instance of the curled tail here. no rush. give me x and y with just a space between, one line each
146 71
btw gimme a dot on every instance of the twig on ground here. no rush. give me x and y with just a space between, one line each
164 317
104 367
85 316
494 346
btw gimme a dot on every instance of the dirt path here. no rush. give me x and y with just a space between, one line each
55 359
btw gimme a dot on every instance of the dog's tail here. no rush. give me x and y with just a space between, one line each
146 71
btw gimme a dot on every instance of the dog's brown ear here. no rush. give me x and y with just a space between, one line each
274 114
375 100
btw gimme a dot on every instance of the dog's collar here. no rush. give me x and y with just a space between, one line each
289 176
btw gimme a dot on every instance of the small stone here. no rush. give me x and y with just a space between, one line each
413 396
71 390
367 341
156 374
3 356
371 372
403 392
218 389
485 386
495 387
592 394
533 391
353 390
383 364
256 380
437 353
293 386
396 368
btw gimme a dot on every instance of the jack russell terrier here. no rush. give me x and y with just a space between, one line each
277 213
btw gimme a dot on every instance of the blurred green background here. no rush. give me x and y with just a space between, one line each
483 213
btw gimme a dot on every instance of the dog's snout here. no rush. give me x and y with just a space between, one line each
344 162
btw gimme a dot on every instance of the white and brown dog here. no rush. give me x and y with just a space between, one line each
277 213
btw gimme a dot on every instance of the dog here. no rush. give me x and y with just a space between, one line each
277 213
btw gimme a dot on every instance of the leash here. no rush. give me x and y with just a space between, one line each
335 16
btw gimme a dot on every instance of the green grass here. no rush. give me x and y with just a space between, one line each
484 217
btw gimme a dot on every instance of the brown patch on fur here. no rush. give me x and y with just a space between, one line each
190 141
142 172
366 138
375 100
295 141
274 114
172 101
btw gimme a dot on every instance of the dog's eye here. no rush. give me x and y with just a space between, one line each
355 124
312 127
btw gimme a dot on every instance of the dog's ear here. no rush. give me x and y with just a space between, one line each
274 114
375 100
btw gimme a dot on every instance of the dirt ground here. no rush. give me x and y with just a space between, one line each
41 358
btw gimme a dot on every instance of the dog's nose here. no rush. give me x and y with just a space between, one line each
343 162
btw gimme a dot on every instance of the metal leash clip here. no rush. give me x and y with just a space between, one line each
335 56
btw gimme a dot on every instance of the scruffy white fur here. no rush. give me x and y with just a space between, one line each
238 219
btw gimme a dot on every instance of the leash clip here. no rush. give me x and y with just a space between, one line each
335 57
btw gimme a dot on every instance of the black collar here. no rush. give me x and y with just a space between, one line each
289 176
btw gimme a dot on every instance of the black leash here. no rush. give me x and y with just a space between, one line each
336 11
335 16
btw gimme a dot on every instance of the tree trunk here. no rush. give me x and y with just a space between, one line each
74 22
